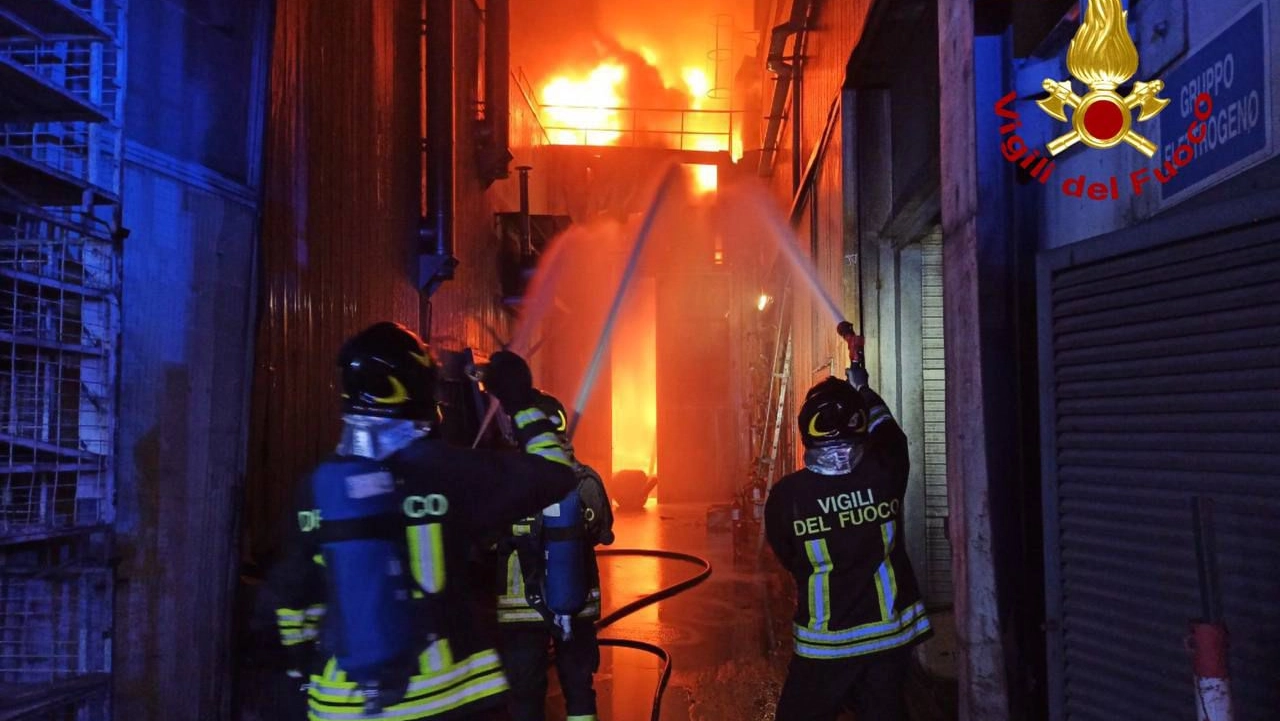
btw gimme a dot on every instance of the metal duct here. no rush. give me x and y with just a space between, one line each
436 260
788 77
526 226
495 152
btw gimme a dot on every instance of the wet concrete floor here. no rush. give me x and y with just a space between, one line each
726 637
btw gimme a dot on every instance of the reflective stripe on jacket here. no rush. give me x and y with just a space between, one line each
442 684
840 536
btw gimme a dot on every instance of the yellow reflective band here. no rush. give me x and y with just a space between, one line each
587 717
819 583
431 693
864 639
813 429
515 576
399 394
887 532
528 416
290 615
548 446
426 556
519 615
318 560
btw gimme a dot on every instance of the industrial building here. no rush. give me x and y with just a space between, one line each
1077 329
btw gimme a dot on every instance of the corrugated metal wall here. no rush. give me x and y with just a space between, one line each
1160 363
824 230
340 223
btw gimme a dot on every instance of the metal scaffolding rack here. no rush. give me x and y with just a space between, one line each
62 80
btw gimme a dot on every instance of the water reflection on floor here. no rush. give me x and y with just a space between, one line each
726 664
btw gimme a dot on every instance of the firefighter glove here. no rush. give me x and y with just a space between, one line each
858 376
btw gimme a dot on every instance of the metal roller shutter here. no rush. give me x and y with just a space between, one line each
1160 378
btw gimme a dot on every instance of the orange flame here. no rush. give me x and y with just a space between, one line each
634 369
1102 55
585 111
589 110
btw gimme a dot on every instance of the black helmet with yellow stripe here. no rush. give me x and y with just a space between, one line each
388 372
833 412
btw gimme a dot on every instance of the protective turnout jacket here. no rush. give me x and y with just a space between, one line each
448 497
836 526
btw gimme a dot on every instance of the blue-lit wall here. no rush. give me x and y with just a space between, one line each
195 104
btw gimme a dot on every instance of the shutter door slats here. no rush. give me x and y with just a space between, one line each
1162 384
1136 266
1073 333
1244 442
1243 422
1189 482
1163 369
1243 338
1219 259
1186 307
1173 290
1198 402
1219 362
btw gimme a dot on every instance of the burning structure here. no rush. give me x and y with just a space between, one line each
184 245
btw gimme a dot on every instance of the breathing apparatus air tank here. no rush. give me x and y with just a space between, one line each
369 602
564 552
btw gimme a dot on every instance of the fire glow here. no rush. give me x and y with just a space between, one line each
598 106
634 369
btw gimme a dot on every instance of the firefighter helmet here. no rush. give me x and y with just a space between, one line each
387 371
554 410
832 412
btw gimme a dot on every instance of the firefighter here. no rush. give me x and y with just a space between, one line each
527 627
837 526
374 579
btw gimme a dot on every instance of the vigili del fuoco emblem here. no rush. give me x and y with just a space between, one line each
1102 56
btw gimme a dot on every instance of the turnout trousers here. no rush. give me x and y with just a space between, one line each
871 686
525 654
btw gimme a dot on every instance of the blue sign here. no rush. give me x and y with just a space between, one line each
1232 69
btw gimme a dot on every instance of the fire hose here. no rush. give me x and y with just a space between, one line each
664 672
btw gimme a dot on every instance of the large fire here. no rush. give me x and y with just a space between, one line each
585 110
598 107
635 368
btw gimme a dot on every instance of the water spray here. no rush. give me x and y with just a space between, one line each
790 249
633 263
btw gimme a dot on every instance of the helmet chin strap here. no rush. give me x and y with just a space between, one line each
378 438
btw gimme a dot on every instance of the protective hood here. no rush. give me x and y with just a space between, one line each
378 438
835 459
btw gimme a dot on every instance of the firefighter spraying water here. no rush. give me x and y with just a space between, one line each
836 525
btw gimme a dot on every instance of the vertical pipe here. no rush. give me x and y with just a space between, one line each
1208 640
796 108
497 77
1207 566
526 227
441 130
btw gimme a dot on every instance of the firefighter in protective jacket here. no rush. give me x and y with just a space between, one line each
373 581
527 626
837 526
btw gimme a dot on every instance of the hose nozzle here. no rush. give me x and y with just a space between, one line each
855 341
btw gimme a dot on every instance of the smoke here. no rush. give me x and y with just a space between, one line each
557 37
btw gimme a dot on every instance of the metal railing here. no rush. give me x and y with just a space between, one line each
665 128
